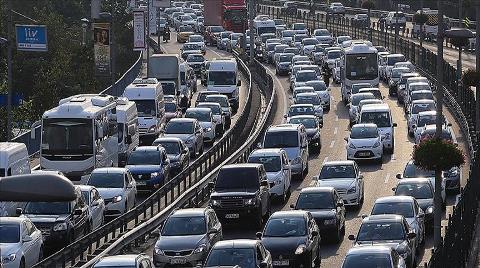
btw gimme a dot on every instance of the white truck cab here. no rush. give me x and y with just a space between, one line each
223 78
128 135
148 96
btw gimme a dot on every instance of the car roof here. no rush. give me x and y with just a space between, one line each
394 199
366 125
205 103
305 116
370 249
216 96
189 212
316 189
307 94
283 127
342 162
199 109
383 218
119 260
242 165
288 214
376 107
112 170
182 120
168 139
422 101
147 148
267 152
236 243
301 105
12 219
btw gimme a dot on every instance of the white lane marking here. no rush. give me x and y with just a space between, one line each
394 157
336 118
325 160
387 177
332 144
335 131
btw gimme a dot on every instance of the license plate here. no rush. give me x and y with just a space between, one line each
364 154
178 261
141 183
232 216
281 263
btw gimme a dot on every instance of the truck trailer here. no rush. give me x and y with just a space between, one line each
231 14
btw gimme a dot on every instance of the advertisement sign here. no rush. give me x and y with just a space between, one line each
161 3
101 47
139 31
31 37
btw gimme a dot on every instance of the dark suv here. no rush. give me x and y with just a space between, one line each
61 223
241 191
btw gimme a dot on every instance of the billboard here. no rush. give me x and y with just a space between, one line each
101 47
31 37
139 31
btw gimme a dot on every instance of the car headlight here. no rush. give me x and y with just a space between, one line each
329 222
215 203
352 146
154 174
300 249
189 141
117 199
208 129
403 249
201 248
386 136
159 251
62 226
152 129
429 210
9 258
297 161
352 190
376 144
250 201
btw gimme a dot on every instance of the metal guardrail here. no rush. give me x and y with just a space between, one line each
85 247
196 195
33 145
456 244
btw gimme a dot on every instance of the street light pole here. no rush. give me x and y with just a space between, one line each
437 217
251 15
396 28
9 70
477 55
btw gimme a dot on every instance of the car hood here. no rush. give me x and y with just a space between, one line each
388 243
363 143
221 89
321 214
9 248
230 193
142 169
177 243
107 193
337 183
46 218
183 137
283 245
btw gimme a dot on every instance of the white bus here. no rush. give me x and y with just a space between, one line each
79 135
360 65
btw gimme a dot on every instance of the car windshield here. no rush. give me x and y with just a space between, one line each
400 208
419 87
179 128
310 42
306 76
381 119
281 139
270 163
364 133
307 122
237 178
307 100
47 208
322 33
317 85
185 28
195 38
9 233
337 171
397 72
370 260
285 227
427 120
171 147
170 107
288 33
375 231
168 88
320 200
195 58
216 110
106 180
182 226
232 257
417 190
413 171
221 78
423 107
144 158
334 54
394 59
301 110
286 58
199 115
146 108
422 96
220 100
357 98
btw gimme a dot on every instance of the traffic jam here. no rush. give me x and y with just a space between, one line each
290 200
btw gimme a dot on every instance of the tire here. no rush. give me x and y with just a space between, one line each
337 237
40 254
22 263
201 150
306 169
318 259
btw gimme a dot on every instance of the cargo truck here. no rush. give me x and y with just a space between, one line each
231 14
165 67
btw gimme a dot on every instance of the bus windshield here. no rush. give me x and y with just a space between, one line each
361 67
67 136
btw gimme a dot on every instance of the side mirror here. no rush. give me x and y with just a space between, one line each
449 124
346 139
394 124
239 82
185 151
292 206
211 184
314 233
128 139
264 183
19 211
259 145
26 238
212 231
411 235
351 237
360 176
258 235
285 116
95 203
394 189
315 178
399 176
414 126
364 216
78 212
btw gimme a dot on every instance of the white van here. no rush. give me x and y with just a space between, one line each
148 96
380 115
223 78
128 136
13 159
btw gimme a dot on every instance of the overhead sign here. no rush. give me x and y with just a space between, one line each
101 47
17 100
161 3
139 42
31 37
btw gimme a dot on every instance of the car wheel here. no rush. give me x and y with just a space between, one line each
40 254
318 259
338 235
201 150
306 169
22 263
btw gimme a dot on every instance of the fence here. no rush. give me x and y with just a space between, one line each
84 248
33 145
457 241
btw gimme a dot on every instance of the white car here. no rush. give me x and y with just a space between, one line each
199 40
205 118
96 205
423 120
303 76
189 131
353 110
279 173
346 178
21 243
303 89
416 107
128 260
336 8
322 91
381 115
218 116
364 142
308 45
117 187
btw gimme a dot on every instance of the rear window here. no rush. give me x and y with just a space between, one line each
381 119
281 139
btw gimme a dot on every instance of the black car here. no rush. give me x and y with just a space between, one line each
241 192
422 190
327 209
177 153
61 223
292 238
243 253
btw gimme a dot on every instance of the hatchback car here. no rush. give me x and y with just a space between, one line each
416 107
205 118
284 63
279 173
186 237
189 131
226 108
364 142
218 116
125 261
177 153
303 76
313 99
322 91
422 190
293 239
117 188
239 253
373 256
346 178
312 126
95 203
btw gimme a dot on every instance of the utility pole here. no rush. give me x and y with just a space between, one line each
477 64
251 15
9 69
148 34
437 217
460 12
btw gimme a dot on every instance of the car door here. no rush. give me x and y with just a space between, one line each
28 247
303 147
264 190
287 171
98 207
165 165
198 135
359 178
129 191
313 241
420 217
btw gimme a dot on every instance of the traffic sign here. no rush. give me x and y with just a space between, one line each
31 37
16 100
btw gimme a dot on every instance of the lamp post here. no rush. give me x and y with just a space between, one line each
107 16
251 15
85 23
4 42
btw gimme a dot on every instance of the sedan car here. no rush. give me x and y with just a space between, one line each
416 107
387 230
364 142
312 126
322 91
239 253
293 239
308 45
184 32
406 206
205 118
346 178
189 131
218 116
125 261
117 187
186 237
21 243
300 109
95 204
279 174
422 190
327 209
177 153
303 76
373 256
284 63
313 99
